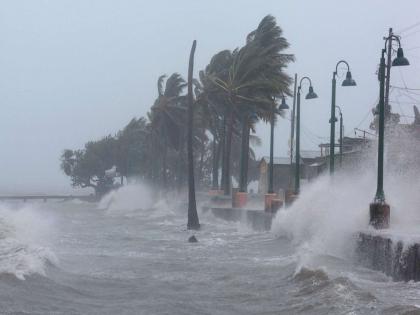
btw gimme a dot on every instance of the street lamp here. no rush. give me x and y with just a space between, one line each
283 106
379 209
311 95
341 134
348 81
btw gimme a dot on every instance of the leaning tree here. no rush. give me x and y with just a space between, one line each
167 119
256 76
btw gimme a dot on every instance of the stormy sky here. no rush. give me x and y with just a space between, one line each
77 70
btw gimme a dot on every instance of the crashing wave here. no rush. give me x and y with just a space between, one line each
127 198
134 200
21 233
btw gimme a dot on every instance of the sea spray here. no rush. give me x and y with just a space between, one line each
330 211
24 233
127 198
135 200
327 214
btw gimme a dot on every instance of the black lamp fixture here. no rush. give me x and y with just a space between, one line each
283 105
311 94
348 80
400 60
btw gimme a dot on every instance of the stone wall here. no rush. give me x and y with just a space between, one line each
394 258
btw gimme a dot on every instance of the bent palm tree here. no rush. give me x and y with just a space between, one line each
256 76
167 118
213 108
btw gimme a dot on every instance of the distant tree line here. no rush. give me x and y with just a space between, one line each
235 90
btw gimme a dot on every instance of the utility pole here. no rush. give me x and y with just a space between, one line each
388 77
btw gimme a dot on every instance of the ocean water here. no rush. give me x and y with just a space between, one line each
128 255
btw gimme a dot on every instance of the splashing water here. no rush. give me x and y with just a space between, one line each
127 198
326 215
132 200
329 212
22 231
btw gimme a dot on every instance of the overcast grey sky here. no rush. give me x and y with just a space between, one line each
76 70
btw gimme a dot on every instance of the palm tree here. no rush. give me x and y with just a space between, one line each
212 106
193 222
255 77
167 118
130 147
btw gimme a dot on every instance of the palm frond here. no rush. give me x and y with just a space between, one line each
160 84
175 84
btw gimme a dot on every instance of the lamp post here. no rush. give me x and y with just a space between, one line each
379 209
283 106
311 94
341 134
348 81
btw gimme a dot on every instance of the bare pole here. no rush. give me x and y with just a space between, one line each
292 131
193 222
388 76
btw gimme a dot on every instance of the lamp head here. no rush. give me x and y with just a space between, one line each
311 94
283 105
349 80
400 60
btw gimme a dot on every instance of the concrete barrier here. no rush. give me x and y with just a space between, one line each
392 257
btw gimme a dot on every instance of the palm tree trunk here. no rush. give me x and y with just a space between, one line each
155 167
201 166
247 156
222 149
180 163
215 171
243 178
164 179
193 222
227 153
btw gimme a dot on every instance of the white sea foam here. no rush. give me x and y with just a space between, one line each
23 235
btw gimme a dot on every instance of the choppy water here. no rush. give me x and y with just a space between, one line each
78 258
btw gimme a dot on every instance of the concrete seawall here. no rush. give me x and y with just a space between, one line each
399 259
